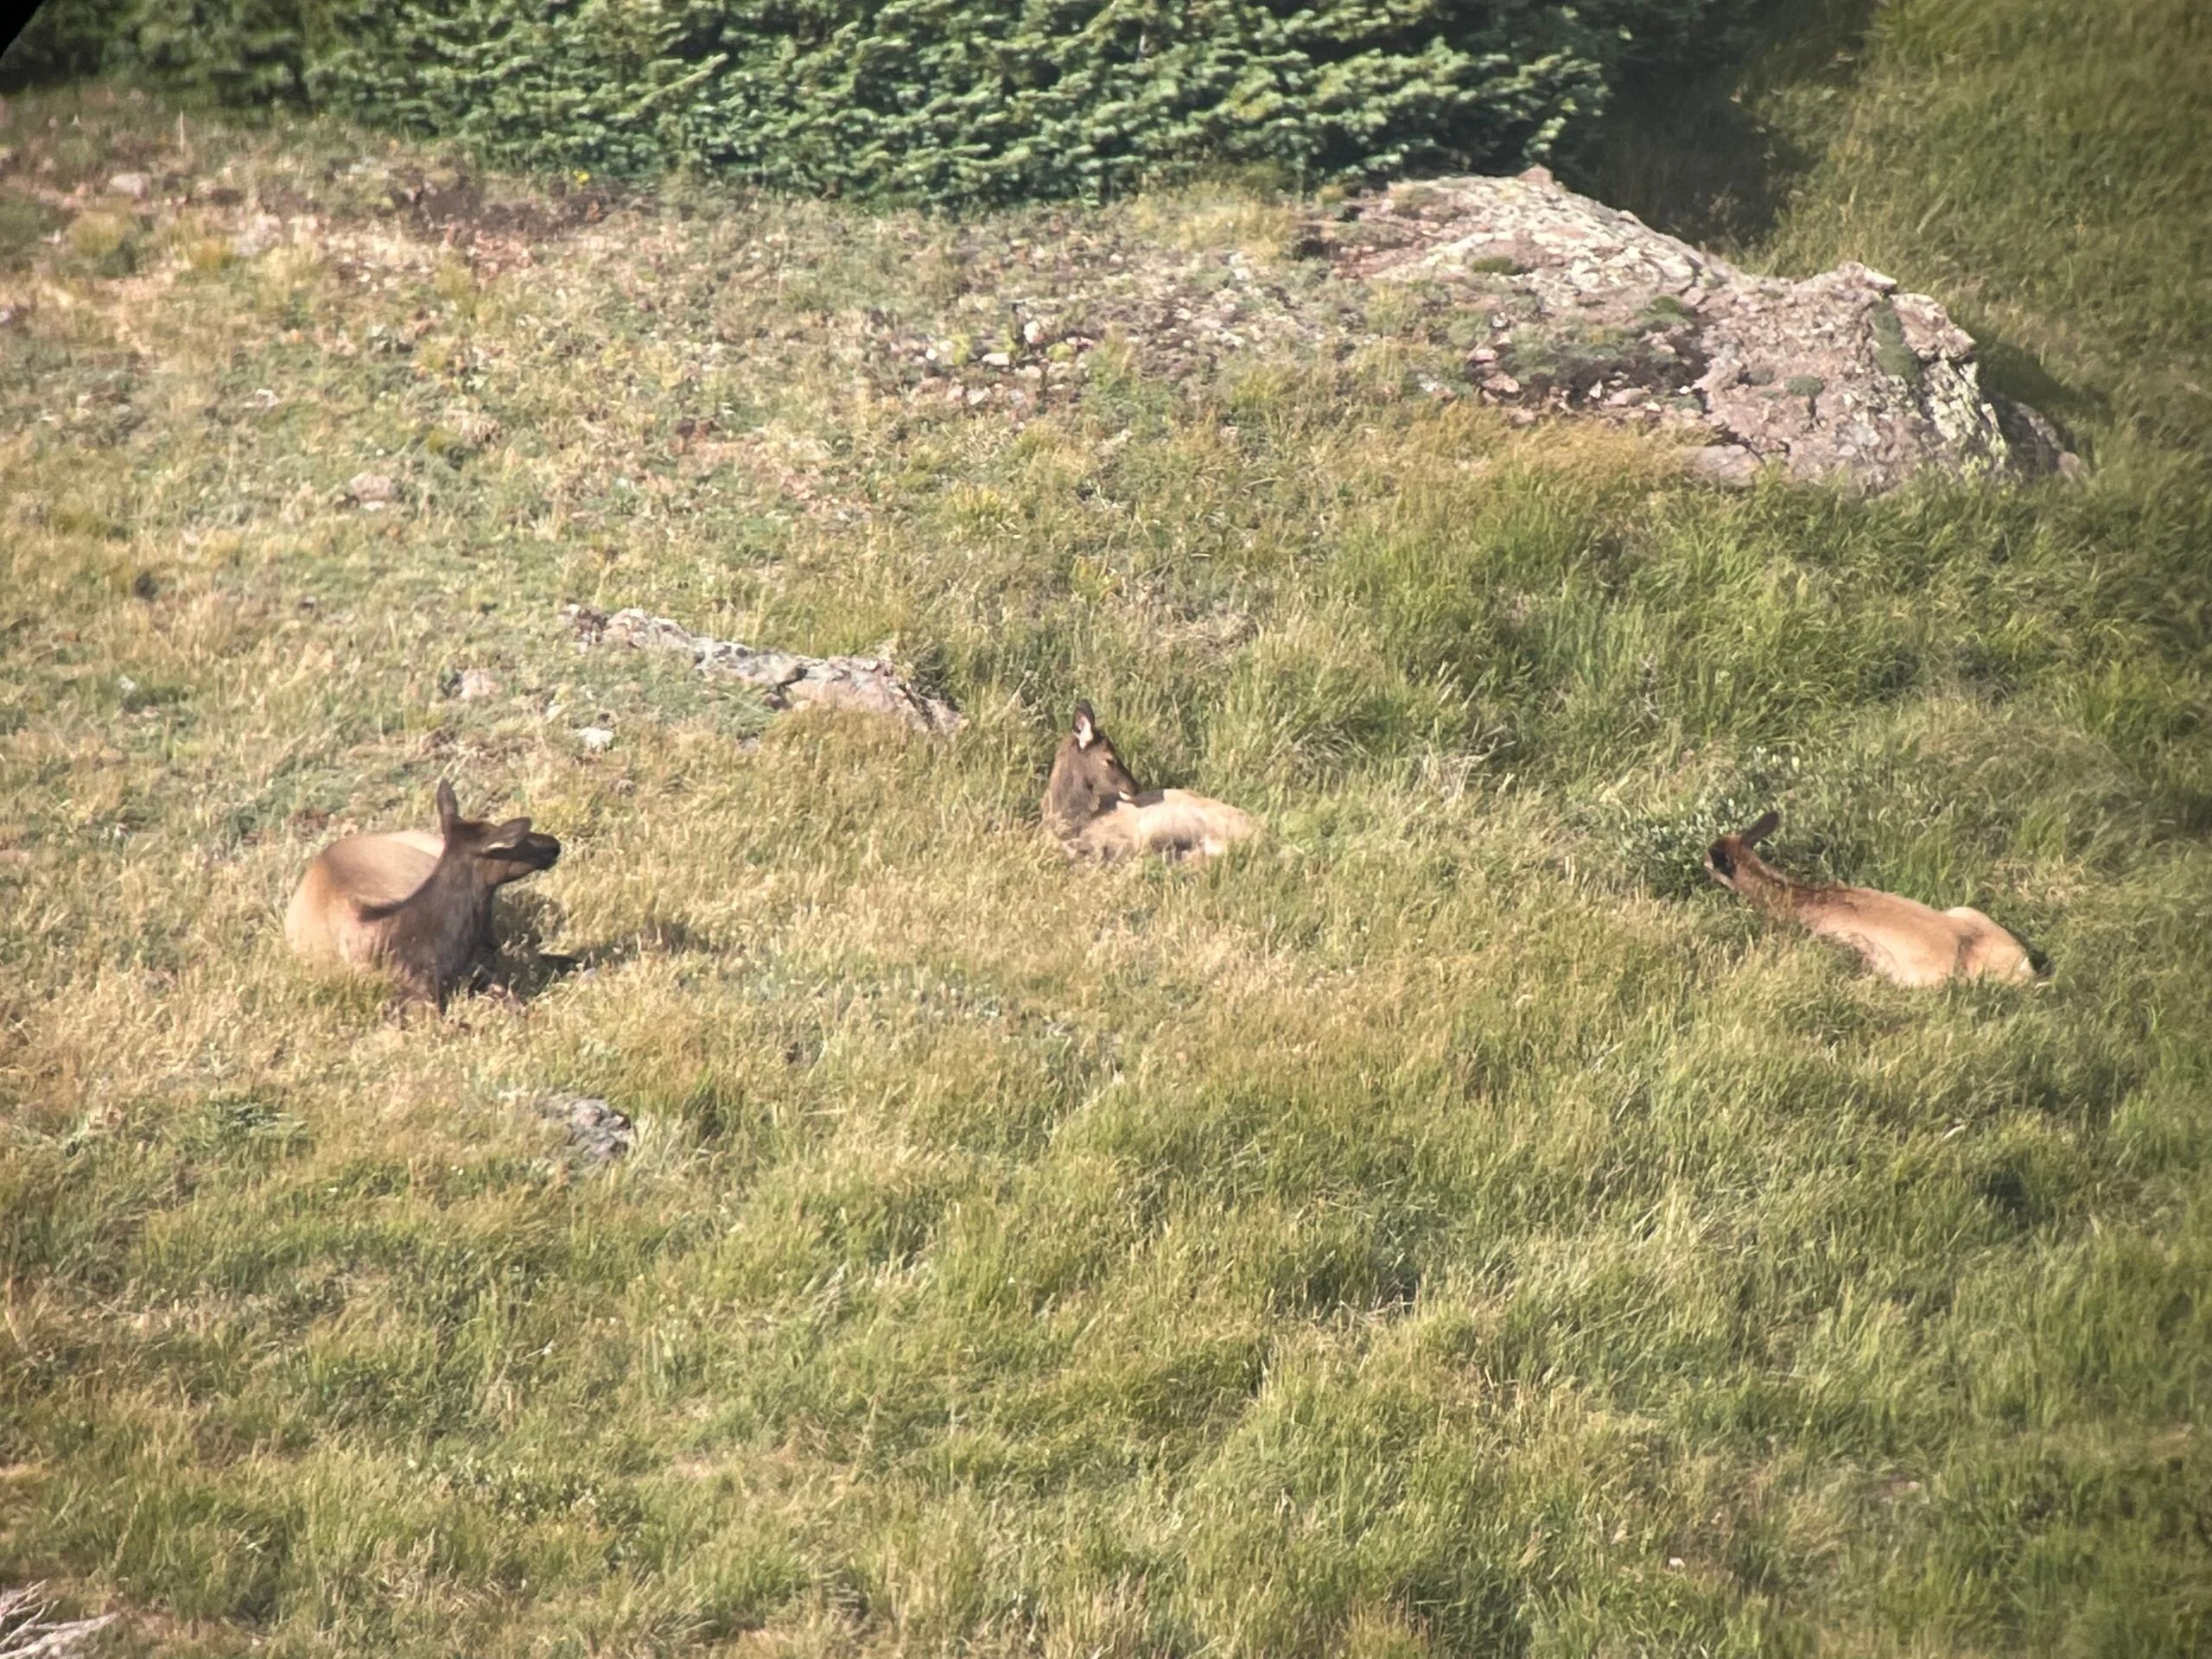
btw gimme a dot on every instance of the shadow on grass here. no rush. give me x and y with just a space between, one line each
1685 148
523 977
2014 371
525 969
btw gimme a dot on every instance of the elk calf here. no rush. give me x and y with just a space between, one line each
1899 939
415 905
1094 806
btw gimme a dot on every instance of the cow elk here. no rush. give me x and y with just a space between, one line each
416 906
1899 939
1094 808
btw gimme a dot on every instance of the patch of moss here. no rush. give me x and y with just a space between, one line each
1892 354
1497 264
1804 385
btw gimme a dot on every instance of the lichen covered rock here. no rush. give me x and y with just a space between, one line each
1839 376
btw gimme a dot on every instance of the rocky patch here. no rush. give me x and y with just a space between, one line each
872 684
597 1133
1021 333
28 1626
1557 305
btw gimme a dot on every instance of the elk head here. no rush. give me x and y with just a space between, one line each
1088 777
1731 856
492 854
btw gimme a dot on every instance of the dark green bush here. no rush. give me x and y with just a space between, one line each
924 100
62 42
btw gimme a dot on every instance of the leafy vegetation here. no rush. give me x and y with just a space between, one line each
985 101
1451 1226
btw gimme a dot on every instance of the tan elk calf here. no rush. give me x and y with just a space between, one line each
1900 939
417 906
1093 805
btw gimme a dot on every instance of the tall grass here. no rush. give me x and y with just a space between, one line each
1451 1226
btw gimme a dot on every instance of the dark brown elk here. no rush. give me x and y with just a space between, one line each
1900 939
416 906
1096 809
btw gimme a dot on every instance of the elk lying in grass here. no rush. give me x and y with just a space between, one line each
1094 806
1900 939
417 906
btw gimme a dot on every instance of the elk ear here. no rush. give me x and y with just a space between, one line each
449 809
507 837
1086 726
1768 824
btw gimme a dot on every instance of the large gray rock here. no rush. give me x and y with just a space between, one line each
1589 311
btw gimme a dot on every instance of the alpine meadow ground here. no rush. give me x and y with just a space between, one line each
1448 1225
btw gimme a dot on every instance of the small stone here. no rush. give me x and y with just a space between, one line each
1032 332
371 489
133 185
1729 465
258 236
596 739
476 684
996 361
594 1128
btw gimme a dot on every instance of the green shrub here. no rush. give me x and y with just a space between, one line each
924 100
62 42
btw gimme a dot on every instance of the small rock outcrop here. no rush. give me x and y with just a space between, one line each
1588 310
28 1626
871 684
599 1134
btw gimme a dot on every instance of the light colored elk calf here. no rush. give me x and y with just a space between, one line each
417 906
1093 805
1900 939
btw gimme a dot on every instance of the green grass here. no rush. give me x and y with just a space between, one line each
1451 1225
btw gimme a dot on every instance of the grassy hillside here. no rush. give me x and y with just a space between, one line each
1451 1226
